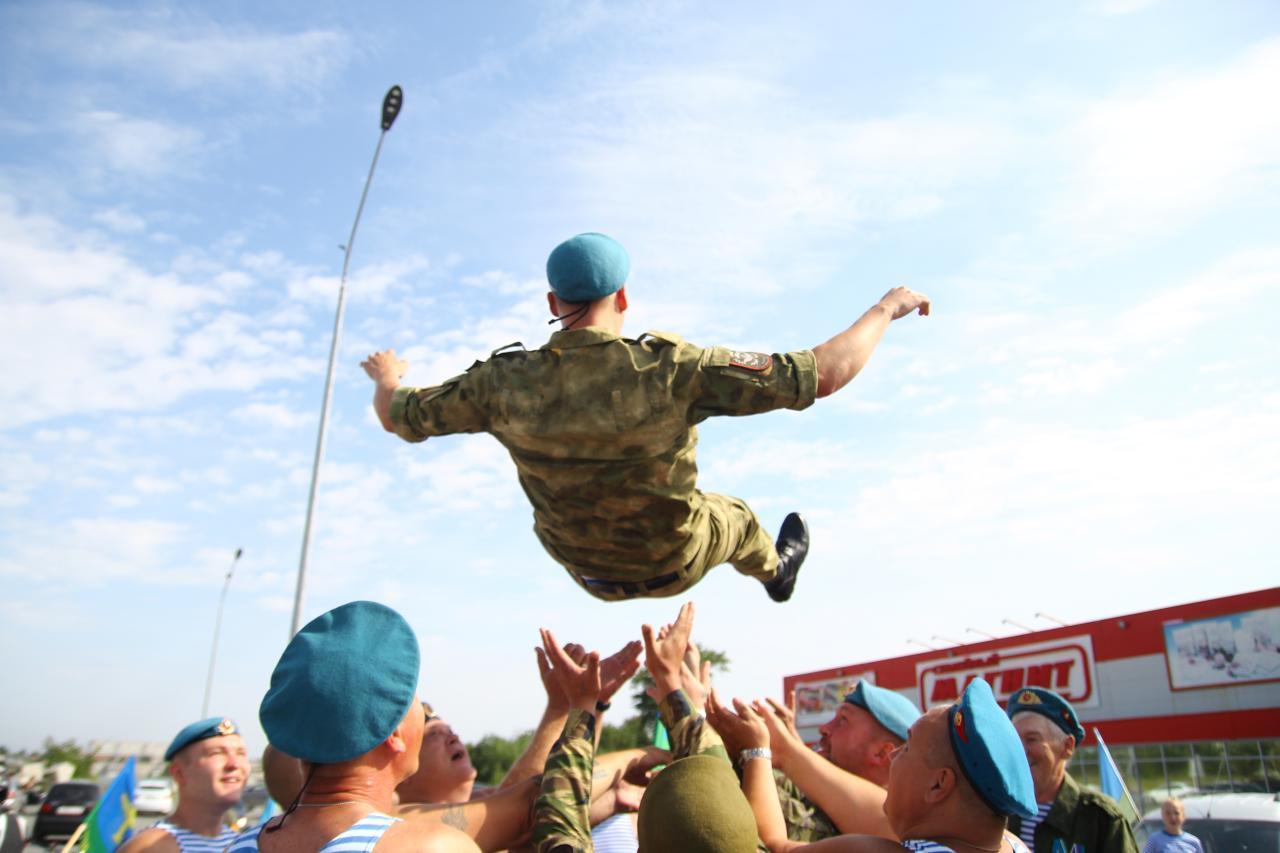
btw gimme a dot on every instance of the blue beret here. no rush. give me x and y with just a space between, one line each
343 684
990 753
890 708
201 730
588 267
1049 704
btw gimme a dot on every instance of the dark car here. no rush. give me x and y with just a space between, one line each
65 806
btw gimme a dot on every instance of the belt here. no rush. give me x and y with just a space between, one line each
631 587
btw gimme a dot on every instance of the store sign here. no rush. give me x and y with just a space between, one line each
817 701
1064 666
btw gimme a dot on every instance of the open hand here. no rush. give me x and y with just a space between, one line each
617 669
665 650
385 367
580 682
902 301
740 728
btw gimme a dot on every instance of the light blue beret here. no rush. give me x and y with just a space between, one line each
343 684
1038 700
889 708
588 267
200 730
989 752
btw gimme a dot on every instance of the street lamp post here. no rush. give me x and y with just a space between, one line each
217 628
390 109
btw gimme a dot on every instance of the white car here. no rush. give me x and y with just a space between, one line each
155 796
1226 823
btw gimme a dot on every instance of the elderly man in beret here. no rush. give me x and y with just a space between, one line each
343 699
210 768
840 787
952 786
602 430
1067 815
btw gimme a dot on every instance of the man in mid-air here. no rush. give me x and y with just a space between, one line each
602 430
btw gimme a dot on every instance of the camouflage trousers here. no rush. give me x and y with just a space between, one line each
728 532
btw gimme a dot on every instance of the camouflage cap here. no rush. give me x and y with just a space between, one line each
696 806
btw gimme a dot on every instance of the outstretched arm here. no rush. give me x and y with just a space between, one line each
853 803
385 369
840 358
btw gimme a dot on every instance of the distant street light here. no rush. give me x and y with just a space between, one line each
217 627
946 640
1054 619
390 109
1007 621
981 633
926 645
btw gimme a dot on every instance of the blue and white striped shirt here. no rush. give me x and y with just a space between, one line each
360 837
193 842
1027 831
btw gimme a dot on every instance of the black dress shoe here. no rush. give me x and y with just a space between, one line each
793 547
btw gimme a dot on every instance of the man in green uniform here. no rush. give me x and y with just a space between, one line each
1069 818
602 430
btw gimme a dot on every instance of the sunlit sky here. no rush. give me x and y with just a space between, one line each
1086 425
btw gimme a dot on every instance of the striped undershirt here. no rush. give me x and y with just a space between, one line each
1027 832
357 838
193 842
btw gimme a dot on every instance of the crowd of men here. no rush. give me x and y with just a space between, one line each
358 761
602 430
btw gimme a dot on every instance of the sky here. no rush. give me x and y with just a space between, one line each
1085 426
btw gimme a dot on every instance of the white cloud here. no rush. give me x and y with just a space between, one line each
1148 160
187 51
275 415
121 220
120 144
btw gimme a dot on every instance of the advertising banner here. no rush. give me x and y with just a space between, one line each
1236 648
1065 666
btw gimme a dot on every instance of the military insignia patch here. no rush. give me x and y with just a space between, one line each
958 722
756 361
1028 698
226 727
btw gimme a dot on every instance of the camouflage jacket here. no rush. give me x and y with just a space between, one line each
602 430
805 821
688 730
1081 821
560 820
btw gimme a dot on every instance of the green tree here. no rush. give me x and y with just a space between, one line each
70 752
640 684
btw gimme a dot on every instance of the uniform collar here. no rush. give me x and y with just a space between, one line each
1064 805
584 337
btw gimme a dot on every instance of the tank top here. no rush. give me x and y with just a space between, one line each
194 842
360 837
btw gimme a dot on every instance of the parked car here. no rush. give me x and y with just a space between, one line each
154 796
65 806
1226 823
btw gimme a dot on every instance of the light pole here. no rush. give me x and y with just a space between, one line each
217 628
390 109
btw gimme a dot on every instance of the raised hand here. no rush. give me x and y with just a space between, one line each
580 682
740 728
665 650
617 669
902 301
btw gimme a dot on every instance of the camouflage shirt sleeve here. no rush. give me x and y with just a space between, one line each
805 821
732 382
560 821
456 405
688 730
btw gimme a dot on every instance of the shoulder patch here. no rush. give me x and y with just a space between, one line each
756 361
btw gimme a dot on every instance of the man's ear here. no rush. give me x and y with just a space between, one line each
621 302
1069 746
883 753
944 782
551 303
177 771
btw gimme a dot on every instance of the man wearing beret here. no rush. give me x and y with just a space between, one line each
343 699
1068 817
210 767
847 776
602 430
952 786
